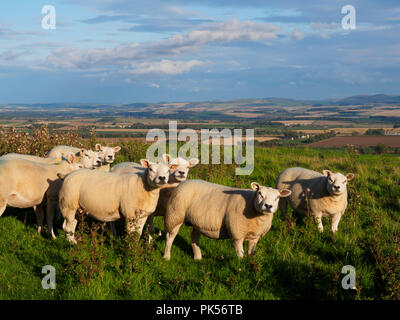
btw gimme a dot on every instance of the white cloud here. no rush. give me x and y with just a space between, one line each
134 53
165 66
297 35
154 85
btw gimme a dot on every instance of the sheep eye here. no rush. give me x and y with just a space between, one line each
259 192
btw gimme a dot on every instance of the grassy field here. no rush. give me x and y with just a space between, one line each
292 261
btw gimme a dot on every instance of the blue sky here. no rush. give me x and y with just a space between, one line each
122 51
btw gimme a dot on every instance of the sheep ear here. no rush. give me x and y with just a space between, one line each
255 186
71 158
173 167
166 158
193 162
349 176
284 193
117 148
145 163
326 173
98 147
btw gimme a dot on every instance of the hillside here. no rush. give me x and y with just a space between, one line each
381 108
292 261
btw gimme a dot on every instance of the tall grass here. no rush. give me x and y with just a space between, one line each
292 261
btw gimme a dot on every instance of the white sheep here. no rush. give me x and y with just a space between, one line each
25 184
221 212
90 159
326 193
176 176
107 153
108 196
9 156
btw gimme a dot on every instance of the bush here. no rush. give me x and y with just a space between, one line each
375 132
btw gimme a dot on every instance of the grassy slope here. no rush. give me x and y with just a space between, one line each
292 261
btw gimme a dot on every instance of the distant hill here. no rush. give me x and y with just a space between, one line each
370 108
368 99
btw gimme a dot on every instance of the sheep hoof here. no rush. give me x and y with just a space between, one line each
72 241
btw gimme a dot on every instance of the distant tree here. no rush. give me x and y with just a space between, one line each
381 148
290 134
355 133
396 125
375 132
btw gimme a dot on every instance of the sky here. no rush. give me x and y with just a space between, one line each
124 51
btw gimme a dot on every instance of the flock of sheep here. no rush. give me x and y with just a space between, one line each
70 179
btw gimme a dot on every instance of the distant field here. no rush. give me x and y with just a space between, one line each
349 130
364 141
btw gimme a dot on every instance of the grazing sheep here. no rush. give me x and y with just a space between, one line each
9 156
90 159
25 184
326 193
108 196
221 212
176 176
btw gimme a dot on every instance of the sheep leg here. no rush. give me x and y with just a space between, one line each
251 246
50 213
3 206
238 244
39 217
113 229
69 225
195 244
318 217
129 225
150 222
140 225
335 222
169 239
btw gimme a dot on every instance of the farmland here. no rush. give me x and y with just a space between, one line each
364 141
292 261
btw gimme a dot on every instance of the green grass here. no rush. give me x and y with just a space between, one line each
292 261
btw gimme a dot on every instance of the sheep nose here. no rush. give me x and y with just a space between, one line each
162 178
268 206
337 187
110 157
181 172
